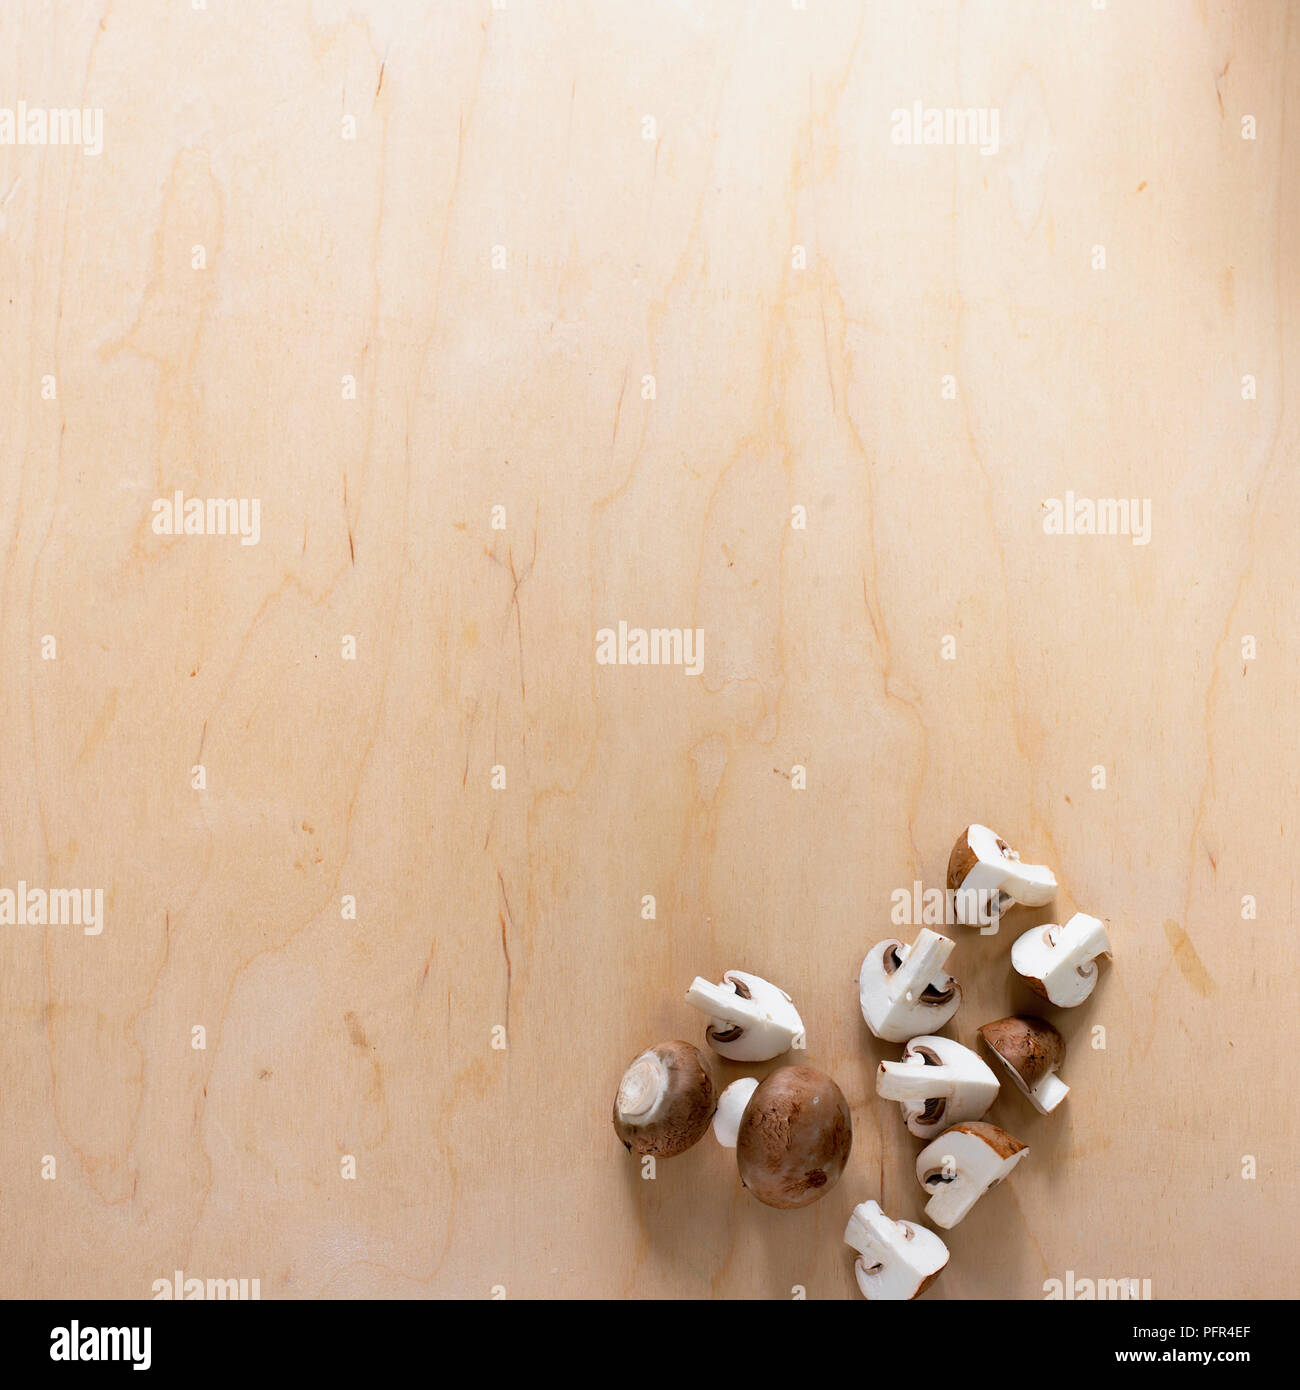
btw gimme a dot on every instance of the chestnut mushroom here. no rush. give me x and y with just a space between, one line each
938 1082
904 990
665 1100
1031 1050
899 1259
751 1019
1060 963
961 1165
987 877
793 1138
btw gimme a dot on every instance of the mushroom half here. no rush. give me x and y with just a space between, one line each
904 990
987 877
939 1082
1031 1050
1060 963
665 1100
792 1138
961 1165
751 1019
899 1260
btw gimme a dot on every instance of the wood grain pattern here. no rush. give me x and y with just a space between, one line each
776 385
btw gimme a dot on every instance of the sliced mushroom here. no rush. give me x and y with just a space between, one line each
665 1100
1031 1050
904 990
961 1165
794 1137
899 1259
1060 963
987 877
939 1083
752 1020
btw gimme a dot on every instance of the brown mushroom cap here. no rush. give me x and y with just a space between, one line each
1039 988
681 1117
795 1137
963 859
1030 1046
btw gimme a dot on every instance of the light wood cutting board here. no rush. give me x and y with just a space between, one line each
522 320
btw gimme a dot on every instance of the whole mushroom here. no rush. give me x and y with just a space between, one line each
793 1137
1031 1050
665 1100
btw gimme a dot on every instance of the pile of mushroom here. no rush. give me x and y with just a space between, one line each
792 1130
944 1088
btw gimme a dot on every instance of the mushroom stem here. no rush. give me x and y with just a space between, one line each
644 1085
920 964
912 1079
732 1104
1037 881
872 1234
1049 1092
1088 940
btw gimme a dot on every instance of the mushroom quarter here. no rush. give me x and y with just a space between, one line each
1060 962
899 1259
904 990
988 877
1032 1051
938 1082
961 1165
750 1019
1031 1047
794 1137
665 1100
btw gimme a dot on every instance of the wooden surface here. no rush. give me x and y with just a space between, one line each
522 387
